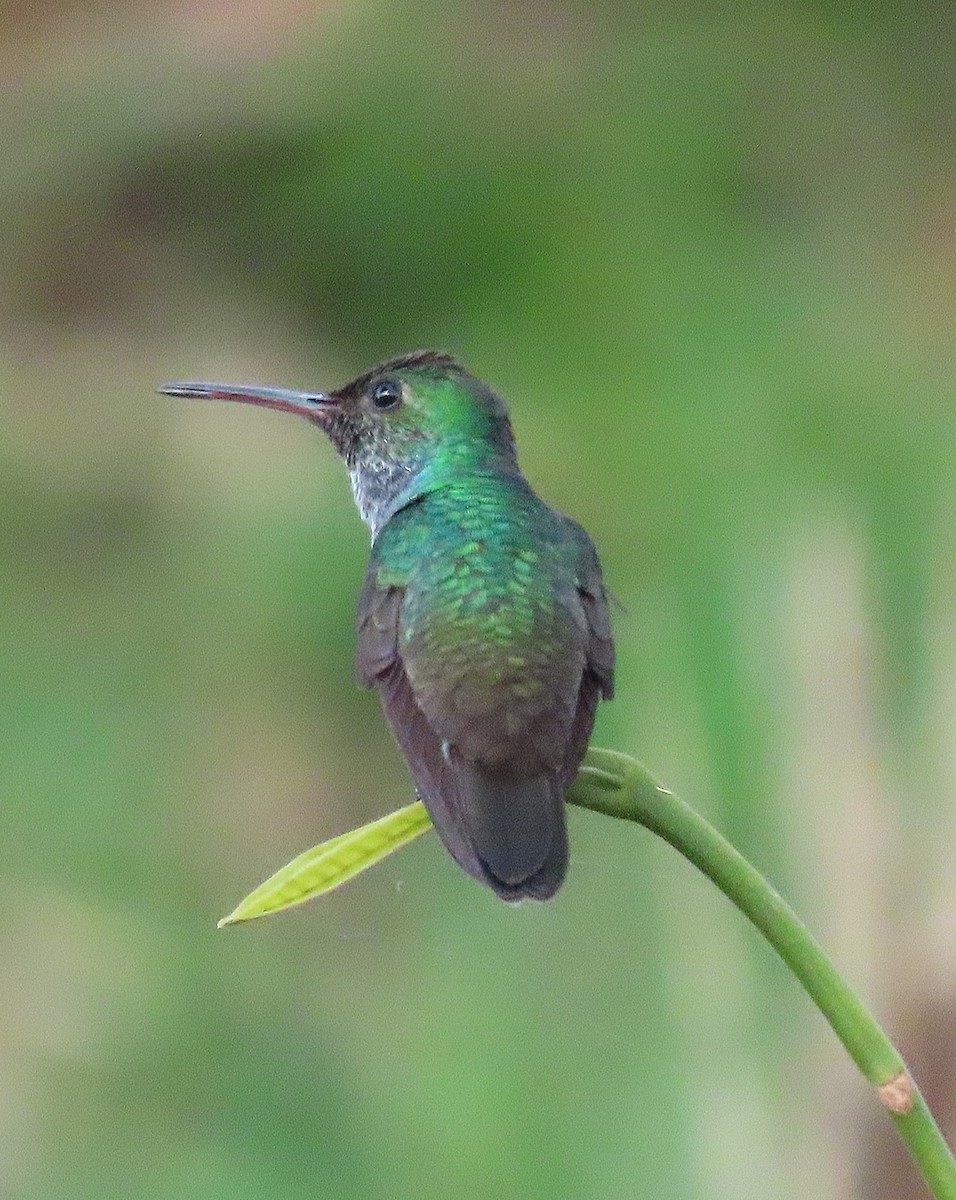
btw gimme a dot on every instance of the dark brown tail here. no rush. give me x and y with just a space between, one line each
516 829
507 832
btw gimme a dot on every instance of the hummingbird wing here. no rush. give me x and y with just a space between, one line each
597 682
379 665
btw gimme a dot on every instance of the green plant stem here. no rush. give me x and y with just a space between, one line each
618 786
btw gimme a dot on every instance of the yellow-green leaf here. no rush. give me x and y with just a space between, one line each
332 863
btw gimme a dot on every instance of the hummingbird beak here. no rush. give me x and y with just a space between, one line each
314 405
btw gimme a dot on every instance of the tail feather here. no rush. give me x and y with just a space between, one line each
516 828
507 832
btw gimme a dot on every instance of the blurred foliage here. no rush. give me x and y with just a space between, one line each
710 258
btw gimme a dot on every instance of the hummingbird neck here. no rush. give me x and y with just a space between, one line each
382 487
378 485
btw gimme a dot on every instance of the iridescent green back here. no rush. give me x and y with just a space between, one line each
492 631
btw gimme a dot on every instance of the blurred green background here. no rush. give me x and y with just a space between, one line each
710 257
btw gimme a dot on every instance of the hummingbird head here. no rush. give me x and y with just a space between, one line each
403 427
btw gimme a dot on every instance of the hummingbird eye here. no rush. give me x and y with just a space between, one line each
387 394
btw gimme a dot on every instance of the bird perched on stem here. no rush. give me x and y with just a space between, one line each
483 621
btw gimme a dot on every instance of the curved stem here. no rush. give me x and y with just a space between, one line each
618 786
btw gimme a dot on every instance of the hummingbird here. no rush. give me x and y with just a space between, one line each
483 620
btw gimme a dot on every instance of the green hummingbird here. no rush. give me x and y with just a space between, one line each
483 621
